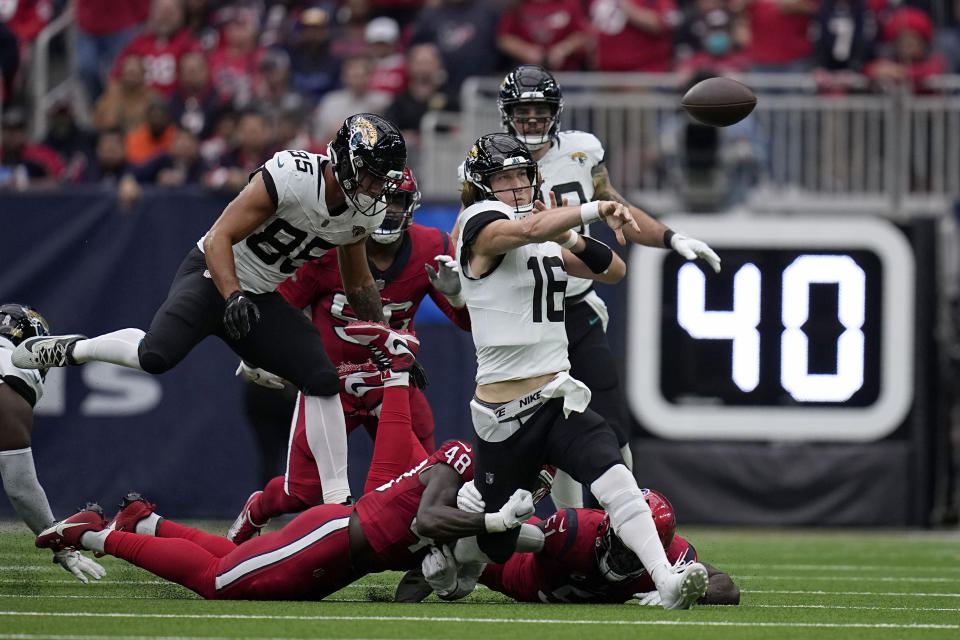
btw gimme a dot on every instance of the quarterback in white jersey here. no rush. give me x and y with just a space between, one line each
20 390
572 168
527 410
296 207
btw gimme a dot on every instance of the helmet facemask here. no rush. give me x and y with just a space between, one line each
533 123
400 207
615 561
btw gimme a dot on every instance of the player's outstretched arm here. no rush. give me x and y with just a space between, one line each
650 232
358 283
721 589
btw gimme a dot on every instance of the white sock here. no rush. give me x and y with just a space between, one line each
566 492
95 540
618 494
147 526
627 455
23 489
327 437
119 347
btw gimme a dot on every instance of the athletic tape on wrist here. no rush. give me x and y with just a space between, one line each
493 522
590 212
568 244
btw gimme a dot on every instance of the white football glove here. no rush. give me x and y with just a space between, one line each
469 498
440 570
258 376
447 280
692 249
648 599
78 564
513 513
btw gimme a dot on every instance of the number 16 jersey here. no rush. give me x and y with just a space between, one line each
516 308
301 229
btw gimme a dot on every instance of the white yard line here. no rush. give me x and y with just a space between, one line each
681 623
847 578
852 593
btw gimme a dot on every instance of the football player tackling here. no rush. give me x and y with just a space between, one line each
296 208
326 547
528 410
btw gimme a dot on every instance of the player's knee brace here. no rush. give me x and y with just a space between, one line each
619 495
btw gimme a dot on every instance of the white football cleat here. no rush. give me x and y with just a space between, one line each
43 352
685 585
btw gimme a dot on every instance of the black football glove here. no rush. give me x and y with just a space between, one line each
418 376
240 315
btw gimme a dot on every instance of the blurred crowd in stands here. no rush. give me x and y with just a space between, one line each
203 91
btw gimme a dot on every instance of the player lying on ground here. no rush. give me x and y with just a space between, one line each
362 388
323 549
528 410
297 207
398 253
20 390
580 560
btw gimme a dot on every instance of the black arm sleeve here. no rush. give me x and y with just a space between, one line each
596 255
472 229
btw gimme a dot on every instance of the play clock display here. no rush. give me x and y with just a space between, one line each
806 334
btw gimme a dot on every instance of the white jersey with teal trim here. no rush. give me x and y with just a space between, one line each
516 309
302 229
567 170
32 377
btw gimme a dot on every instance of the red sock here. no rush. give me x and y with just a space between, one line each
174 559
396 444
274 502
217 545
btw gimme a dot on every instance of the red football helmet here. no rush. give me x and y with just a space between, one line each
401 203
614 559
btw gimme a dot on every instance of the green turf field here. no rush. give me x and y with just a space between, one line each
795 584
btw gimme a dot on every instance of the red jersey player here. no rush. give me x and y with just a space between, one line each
323 549
400 253
581 560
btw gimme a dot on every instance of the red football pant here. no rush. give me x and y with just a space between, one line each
306 560
396 449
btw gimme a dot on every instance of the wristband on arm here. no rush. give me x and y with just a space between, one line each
571 241
596 255
590 212
668 237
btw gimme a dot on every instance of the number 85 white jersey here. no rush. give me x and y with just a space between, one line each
302 229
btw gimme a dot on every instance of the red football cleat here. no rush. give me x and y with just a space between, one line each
390 349
244 528
66 533
133 508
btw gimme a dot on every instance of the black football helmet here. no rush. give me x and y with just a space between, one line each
368 155
531 84
401 203
496 152
19 322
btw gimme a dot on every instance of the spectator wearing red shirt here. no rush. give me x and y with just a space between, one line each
389 67
551 33
779 33
909 59
26 18
104 28
160 46
22 163
633 35
125 102
255 145
234 65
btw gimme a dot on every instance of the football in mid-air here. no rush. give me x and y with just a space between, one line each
719 102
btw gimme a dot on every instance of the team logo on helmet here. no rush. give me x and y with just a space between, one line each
365 132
